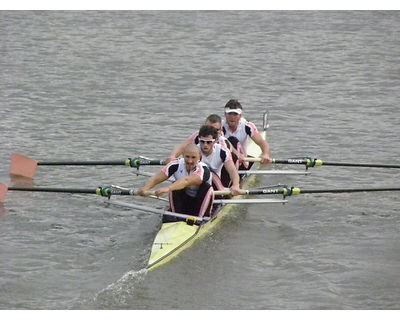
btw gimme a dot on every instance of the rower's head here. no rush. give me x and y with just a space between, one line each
215 121
191 154
233 112
208 136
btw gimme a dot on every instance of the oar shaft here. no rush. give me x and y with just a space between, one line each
344 164
129 162
286 161
287 191
82 163
154 210
59 190
273 172
145 162
105 192
26 166
311 162
347 190
4 188
248 192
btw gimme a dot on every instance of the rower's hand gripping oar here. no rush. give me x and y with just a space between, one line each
25 166
312 162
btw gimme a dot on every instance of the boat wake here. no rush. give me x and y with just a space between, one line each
120 294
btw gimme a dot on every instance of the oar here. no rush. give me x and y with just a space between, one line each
311 162
288 191
273 172
148 174
25 166
233 201
154 210
105 192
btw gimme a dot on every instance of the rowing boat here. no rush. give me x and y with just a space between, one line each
174 237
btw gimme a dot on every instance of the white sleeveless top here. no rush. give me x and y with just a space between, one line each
244 130
177 168
217 158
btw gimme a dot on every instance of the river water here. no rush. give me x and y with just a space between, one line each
110 85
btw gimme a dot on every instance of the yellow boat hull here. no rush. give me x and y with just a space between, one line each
175 237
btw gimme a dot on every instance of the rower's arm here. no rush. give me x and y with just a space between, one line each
192 180
178 150
258 139
237 153
154 180
233 174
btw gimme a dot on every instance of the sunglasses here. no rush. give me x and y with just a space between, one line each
206 141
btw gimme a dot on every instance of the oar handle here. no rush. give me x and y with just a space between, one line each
250 159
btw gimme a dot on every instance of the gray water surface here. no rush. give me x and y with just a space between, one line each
88 85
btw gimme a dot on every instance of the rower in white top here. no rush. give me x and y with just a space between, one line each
191 193
237 130
216 157
212 120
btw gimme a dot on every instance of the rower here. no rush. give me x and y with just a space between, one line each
212 120
192 192
237 130
216 157
215 121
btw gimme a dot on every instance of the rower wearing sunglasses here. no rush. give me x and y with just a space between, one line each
217 157
212 120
